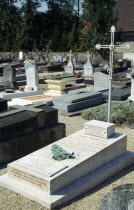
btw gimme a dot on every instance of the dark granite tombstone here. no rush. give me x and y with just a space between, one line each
119 198
27 129
3 105
78 101
9 75
119 94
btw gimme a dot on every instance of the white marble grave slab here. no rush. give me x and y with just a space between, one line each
51 183
41 165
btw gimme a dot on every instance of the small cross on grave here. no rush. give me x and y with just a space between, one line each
111 47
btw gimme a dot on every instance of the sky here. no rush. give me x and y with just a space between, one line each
42 8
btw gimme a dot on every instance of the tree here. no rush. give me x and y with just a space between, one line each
99 13
61 17
26 34
8 24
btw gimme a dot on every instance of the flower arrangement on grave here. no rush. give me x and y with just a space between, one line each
60 154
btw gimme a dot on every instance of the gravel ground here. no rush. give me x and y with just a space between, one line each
88 200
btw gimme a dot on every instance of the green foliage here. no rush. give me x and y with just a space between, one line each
60 28
121 113
99 13
58 152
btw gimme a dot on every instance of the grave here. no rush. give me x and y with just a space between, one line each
121 198
118 94
101 80
120 90
21 56
31 76
32 87
56 87
26 129
69 69
3 105
101 154
77 101
9 76
132 88
88 68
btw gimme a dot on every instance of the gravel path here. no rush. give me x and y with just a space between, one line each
87 201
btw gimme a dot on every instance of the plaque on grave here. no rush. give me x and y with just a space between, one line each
41 165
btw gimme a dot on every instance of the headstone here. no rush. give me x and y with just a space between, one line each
119 94
52 183
88 68
57 58
69 69
41 58
31 76
121 198
26 129
129 56
9 76
132 83
101 80
21 56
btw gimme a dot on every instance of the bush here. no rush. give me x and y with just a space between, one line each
121 113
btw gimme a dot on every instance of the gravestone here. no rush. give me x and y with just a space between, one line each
57 58
21 56
120 198
3 105
101 80
118 94
52 183
132 83
69 69
26 129
9 76
31 76
78 101
88 68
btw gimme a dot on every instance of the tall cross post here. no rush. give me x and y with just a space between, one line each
111 47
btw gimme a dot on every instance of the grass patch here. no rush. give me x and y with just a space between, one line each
121 113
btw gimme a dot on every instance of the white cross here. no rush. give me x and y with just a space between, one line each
111 47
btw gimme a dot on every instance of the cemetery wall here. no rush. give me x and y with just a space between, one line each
81 57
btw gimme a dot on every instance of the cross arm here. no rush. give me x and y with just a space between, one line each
98 46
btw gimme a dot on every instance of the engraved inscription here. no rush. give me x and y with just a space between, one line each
95 131
41 165
83 144
39 182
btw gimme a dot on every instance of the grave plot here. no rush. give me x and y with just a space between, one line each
9 81
119 94
100 152
26 129
78 101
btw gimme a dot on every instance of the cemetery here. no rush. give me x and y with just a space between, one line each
67 105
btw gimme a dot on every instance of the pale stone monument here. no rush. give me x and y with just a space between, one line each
132 83
21 55
31 76
69 69
88 68
99 152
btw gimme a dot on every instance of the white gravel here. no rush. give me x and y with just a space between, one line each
88 201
